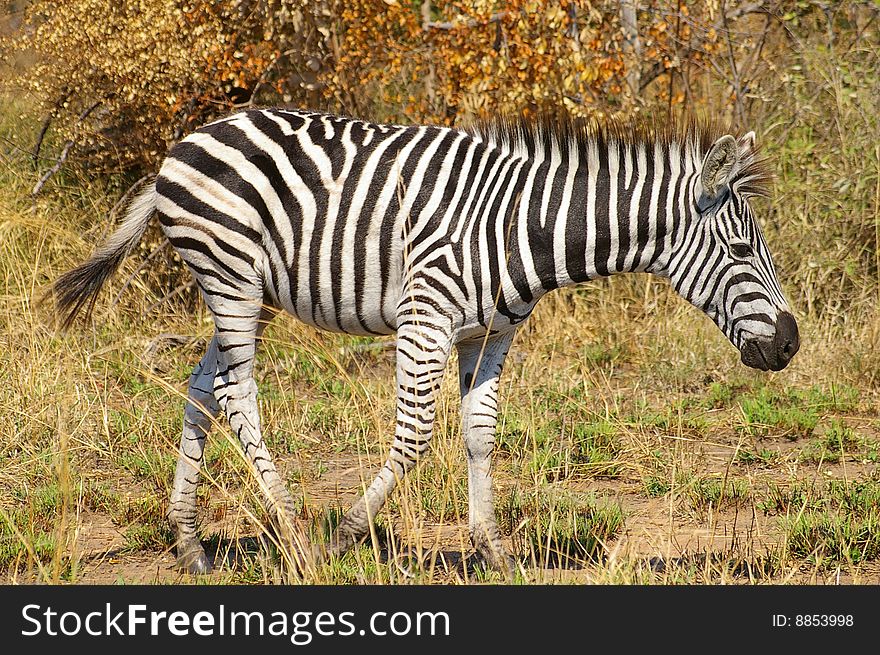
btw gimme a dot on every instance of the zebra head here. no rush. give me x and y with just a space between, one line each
723 265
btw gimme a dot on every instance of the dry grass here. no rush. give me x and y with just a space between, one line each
617 396
627 450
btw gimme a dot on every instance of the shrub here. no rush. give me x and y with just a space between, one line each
121 80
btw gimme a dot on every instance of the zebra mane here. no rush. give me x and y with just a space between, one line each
695 135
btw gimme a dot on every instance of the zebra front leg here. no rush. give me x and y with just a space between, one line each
236 392
422 352
479 366
201 410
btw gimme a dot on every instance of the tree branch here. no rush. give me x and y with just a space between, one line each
174 292
65 151
657 68
35 155
632 44
137 271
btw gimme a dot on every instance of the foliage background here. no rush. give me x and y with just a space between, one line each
147 71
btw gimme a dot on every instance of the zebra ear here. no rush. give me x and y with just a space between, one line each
746 144
717 168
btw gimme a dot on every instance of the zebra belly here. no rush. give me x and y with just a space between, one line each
494 322
344 318
365 309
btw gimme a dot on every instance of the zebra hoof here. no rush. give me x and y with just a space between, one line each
319 554
340 542
497 559
194 562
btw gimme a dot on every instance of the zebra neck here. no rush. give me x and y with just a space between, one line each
618 208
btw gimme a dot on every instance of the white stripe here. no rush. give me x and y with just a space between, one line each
250 173
474 188
559 241
212 193
628 165
348 310
613 227
373 270
654 216
439 187
525 250
306 200
675 174
502 238
555 161
325 254
591 219
481 224
642 164
453 210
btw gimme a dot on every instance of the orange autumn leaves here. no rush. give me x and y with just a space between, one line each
480 57
159 68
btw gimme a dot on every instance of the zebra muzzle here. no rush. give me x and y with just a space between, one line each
773 354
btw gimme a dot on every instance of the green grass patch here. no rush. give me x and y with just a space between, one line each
792 413
559 527
28 529
558 437
440 490
703 493
676 418
148 536
837 442
656 487
757 456
831 524
596 355
585 449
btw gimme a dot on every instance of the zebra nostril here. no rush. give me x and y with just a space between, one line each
787 341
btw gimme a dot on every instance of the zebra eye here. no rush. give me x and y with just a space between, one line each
741 250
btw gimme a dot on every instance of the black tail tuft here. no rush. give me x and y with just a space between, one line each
79 288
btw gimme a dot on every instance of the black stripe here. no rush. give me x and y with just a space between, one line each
204 248
601 208
624 200
352 181
662 218
643 215
385 171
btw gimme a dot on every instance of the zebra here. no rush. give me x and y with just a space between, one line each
447 237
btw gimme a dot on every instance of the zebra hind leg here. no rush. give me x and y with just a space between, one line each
201 410
238 328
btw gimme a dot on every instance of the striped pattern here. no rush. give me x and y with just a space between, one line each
448 238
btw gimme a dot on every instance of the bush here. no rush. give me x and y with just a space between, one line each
122 80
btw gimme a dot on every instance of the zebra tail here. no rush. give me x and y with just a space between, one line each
78 288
